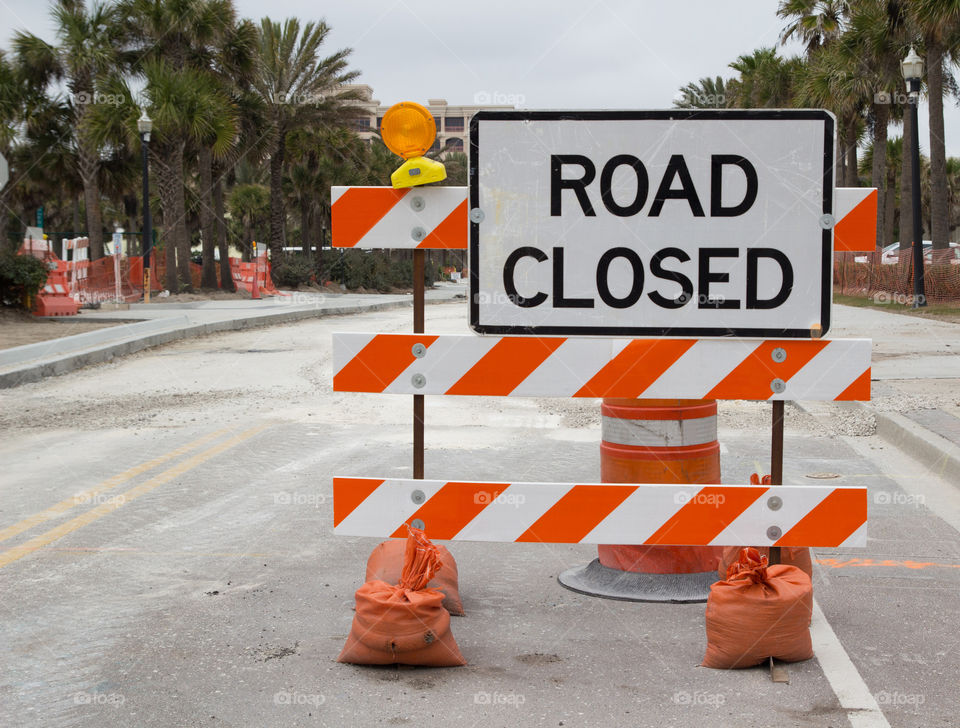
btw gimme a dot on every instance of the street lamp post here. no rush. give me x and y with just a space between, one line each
145 126
912 68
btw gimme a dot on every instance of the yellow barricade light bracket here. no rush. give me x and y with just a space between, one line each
408 130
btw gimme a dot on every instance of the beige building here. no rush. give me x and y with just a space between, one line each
453 122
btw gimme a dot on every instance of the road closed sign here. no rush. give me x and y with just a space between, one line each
664 223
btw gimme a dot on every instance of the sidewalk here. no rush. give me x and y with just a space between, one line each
916 383
146 325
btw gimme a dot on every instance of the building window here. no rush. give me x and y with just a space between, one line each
454 144
360 124
436 146
379 122
453 123
436 120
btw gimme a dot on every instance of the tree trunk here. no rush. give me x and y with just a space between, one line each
4 219
939 203
277 212
167 183
890 211
305 226
182 237
88 165
841 175
853 170
208 278
878 173
906 186
220 231
76 217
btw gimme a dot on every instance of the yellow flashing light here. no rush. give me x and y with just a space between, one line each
408 130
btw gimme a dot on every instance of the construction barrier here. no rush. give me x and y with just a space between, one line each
789 369
653 514
436 217
369 217
111 278
54 298
654 441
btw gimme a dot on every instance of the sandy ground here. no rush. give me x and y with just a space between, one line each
18 328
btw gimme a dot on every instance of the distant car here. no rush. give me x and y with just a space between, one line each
891 254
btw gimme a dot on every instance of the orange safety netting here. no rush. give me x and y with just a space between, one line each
96 281
864 274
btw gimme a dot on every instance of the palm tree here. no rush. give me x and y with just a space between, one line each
938 22
831 83
766 80
174 44
231 64
11 101
893 155
249 205
953 188
707 93
872 47
300 89
815 23
86 52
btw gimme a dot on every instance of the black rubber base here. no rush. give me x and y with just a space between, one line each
597 580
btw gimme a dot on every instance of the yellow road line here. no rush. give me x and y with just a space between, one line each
38 542
87 497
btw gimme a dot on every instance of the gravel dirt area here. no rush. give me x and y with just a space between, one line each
18 328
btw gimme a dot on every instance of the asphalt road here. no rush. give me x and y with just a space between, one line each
167 559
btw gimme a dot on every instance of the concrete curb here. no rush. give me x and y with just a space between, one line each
911 438
37 369
31 353
936 452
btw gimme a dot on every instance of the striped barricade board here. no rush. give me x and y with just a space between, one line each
415 217
595 513
789 369
436 217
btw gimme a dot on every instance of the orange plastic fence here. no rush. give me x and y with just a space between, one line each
93 281
865 274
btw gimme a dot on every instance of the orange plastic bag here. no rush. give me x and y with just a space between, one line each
406 623
759 611
386 562
798 556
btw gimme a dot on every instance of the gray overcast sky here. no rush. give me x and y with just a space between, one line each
603 54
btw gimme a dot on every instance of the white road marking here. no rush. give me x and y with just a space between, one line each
841 673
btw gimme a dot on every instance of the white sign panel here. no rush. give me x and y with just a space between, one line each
665 223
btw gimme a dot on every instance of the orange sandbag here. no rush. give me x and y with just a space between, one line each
758 612
386 561
798 556
404 624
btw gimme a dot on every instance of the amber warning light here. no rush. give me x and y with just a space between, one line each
408 130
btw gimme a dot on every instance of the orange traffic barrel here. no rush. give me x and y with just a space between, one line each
654 441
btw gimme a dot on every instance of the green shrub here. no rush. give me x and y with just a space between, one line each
20 276
293 271
370 269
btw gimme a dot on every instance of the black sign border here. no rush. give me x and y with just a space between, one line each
826 281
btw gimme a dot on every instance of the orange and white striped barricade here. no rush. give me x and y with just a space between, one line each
518 366
78 264
601 513
415 217
436 217
856 227
691 373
